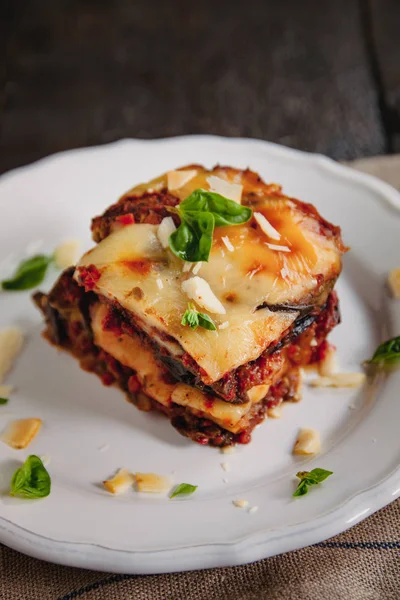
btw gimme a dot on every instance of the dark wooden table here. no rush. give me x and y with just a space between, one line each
321 75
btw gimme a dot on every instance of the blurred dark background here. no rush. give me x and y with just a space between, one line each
313 74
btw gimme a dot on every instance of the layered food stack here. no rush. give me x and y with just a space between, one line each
205 294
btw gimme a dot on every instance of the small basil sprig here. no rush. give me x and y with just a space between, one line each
29 273
183 489
3 400
200 213
194 319
309 478
387 353
31 480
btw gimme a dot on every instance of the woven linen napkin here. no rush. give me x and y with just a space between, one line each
360 564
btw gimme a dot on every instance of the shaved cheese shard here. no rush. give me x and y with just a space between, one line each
152 483
394 282
6 390
197 268
228 450
258 392
340 380
228 243
240 503
232 191
224 325
266 226
226 466
308 442
187 266
159 283
177 179
275 412
328 365
67 254
278 248
11 342
120 483
165 228
21 432
198 289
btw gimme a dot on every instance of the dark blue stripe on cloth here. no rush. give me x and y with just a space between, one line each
360 545
95 586
343 545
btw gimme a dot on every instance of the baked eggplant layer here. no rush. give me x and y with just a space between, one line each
79 322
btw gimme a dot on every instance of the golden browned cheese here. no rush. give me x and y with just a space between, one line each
140 275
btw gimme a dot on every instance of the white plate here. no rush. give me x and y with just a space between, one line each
90 430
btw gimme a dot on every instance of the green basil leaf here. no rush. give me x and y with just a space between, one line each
225 211
191 317
388 352
319 475
199 214
3 400
29 273
183 489
206 322
309 478
193 239
194 319
31 480
301 489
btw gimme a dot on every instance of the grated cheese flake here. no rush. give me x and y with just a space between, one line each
228 243
226 466
186 267
121 482
232 191
340 380
67 254
11 342
266 226
177 179
152 483
224 325
165 228
159 283
198 289
197 267
253 509
394 282
228 450
308 442
20 433
240 503
278 248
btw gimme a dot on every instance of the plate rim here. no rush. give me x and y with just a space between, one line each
251 547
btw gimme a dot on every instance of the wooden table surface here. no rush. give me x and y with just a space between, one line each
313 74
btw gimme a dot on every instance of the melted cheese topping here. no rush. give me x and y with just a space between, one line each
146 279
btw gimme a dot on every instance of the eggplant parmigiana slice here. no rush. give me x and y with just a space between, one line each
266 289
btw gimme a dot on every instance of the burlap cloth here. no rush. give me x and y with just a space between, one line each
361 564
